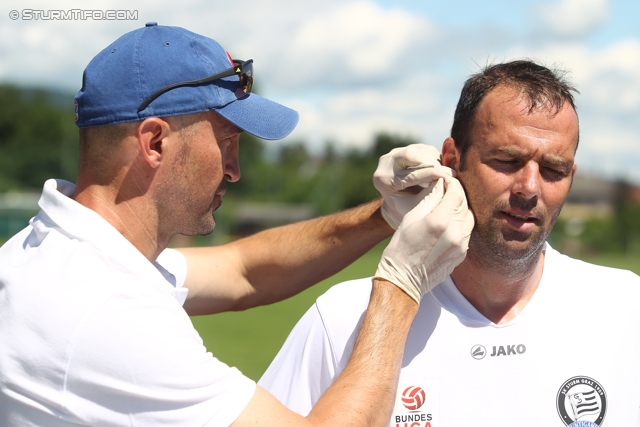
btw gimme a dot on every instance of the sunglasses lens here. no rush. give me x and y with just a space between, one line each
246 78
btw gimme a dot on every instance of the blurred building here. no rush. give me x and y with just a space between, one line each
596 197
589 197
250 218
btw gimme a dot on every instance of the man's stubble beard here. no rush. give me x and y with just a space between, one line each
508 253
187 215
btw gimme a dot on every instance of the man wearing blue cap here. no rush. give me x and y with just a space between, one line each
95 327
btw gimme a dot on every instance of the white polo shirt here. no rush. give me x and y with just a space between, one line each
92 333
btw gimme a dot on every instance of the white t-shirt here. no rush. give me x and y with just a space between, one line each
571 357
92 333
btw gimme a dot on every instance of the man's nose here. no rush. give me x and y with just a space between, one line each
232 165
527 183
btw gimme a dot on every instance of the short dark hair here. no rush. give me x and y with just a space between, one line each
538 85
98 146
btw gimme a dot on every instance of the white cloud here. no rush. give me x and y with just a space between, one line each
55 52
417 107
615 79
293 44
612 150
608 77
360 38
345 44
574 17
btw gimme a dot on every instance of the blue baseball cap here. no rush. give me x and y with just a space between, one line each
126 73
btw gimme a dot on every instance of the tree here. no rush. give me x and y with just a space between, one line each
38 139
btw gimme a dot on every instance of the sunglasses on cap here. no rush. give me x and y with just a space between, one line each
244 69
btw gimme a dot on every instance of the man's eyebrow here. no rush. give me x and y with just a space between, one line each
557 162
507 150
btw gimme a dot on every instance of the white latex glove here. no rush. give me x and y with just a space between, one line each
430 242
402 168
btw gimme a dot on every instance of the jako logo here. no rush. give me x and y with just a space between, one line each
478 352
413 398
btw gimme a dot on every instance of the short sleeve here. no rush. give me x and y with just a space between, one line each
304 367
173 266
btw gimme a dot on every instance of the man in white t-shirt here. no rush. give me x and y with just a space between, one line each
518 334
93 330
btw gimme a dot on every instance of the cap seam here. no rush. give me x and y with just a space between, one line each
196 42
139 69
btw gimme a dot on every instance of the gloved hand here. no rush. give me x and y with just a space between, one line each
402 168
430 242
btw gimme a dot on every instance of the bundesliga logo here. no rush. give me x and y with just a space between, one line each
413 398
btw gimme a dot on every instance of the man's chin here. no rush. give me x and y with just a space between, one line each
522 249
203 228
209 227
512 246
519 249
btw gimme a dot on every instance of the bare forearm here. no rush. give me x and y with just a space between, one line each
363 394
275 264
309 252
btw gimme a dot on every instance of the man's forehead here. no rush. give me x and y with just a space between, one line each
505 110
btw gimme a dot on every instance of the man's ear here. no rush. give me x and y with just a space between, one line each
450 154
151 137
573 173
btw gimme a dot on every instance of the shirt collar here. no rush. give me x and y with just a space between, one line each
78 222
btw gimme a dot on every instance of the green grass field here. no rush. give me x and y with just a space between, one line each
249 340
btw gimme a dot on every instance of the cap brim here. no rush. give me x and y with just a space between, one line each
260 117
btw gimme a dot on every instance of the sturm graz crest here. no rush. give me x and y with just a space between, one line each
582 402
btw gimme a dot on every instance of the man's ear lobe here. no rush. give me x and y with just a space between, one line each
450 155
151 139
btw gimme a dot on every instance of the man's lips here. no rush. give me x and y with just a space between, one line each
520 216
222 189
520 220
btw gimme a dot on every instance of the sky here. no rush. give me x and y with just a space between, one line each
356 68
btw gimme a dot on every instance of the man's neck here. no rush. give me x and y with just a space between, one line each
498 294
129 215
